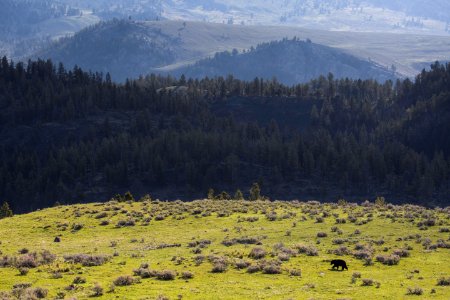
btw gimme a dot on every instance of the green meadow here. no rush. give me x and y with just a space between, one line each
225 249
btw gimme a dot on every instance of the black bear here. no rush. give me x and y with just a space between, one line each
339 263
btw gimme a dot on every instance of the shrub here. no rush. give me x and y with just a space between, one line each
24 251
144 273
250 219
23 271
200 244
47 257
79 280
241 264
197 250
339 241
429 222
199 259
442 244
87 260
363 254
24 291
295 272
101 215
401 252
253 269
284 256
125 223
389 260
444 281
341 251
166 275
248 240
7 261
229 243
124 280
368 261
159 217
272 216
322 234
379 242
414 291
219 267
367 282
97 290
23 285
271 268
187 275
28 260
257 253
307 249
39 292
77 226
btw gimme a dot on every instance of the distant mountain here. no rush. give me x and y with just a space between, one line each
415 16
27 25
123 48
290 61
108 9
133 48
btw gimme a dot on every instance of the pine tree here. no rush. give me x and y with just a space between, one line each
238 195
255 192
128 196
224 196
210 195
5 211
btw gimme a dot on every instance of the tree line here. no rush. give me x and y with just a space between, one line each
71 136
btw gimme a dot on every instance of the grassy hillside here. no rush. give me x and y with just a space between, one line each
231 249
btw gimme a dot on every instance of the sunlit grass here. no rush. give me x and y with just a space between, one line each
295 223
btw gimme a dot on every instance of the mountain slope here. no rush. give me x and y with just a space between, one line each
123 48
129 46
27 26
290 61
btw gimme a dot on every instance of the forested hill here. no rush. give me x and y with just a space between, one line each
290 61
72 136
123 48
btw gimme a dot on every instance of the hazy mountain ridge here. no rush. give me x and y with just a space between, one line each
123 48
290 61
356 15
107 9
28 26
180 43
